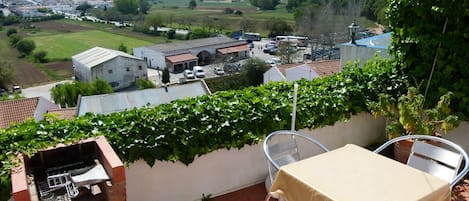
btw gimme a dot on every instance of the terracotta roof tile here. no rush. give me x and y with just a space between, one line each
238 48
181 58
325 68
15 111
67 113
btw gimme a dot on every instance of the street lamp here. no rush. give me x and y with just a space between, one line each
353 31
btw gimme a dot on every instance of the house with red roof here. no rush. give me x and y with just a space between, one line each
17 111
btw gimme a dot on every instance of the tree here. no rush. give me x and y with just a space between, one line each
11 31
25 46
40 56
375 10
192 4
6 73
101 86
255 69
83 7
429 42
265 4
122 48
154 20
13 39
126 6
287 52
278 27
322 21
171 34
170 19
246 24
165 77
66 95
199 33
143 6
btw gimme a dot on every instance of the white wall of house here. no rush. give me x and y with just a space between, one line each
154 59
274 75
299 72
224 171
81 71
122 70
350 53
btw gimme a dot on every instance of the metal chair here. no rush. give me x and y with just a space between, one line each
281 148
441 161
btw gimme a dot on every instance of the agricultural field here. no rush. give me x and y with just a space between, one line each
64 46
178 10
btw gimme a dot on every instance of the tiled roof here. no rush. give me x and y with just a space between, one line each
15 111
322 68
67 113
181 57
326 67
238 48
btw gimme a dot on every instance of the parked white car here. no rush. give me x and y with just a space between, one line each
189 74
199 72
218 71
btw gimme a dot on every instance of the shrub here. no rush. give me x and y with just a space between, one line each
145 84
171 34
228 11
25 46
13 39
11 31
40 56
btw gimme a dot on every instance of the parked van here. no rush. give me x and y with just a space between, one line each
199 72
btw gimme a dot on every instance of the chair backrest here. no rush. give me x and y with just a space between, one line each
281 148
436 156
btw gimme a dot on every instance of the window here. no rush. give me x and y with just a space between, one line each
109 71
128 69
139 67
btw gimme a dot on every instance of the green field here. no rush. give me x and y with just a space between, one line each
64 46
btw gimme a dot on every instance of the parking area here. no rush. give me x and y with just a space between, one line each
256 51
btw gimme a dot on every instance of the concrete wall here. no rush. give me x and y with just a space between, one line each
115 70
224 171
82 72
154 59
363 53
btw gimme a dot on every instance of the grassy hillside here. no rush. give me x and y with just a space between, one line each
64 46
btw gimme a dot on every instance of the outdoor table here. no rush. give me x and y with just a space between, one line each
352 173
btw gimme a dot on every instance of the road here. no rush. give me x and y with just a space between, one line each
43 90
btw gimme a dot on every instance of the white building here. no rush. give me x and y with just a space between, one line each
365 49
187 54
309 71
121 70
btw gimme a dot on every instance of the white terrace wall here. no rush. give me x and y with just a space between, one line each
225 171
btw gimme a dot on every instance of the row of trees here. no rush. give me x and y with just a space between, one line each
66 95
